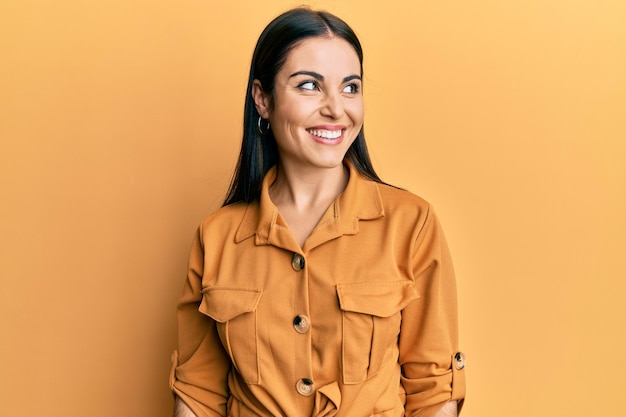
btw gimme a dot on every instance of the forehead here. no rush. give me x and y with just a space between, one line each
323 55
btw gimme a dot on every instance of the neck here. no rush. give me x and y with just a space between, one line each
302 189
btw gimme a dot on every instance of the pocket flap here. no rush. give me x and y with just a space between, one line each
223 304
379 298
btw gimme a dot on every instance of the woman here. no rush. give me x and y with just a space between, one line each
316 290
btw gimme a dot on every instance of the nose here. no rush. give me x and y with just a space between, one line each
332 105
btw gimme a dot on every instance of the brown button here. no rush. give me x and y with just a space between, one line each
301 323
305 387
459 360
297 261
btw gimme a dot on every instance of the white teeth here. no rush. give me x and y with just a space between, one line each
326 134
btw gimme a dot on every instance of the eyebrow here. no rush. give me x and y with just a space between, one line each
320 77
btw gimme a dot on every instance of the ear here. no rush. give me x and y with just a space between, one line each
261 99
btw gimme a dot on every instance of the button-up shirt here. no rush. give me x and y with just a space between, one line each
359 321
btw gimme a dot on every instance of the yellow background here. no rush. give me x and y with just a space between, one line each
120 123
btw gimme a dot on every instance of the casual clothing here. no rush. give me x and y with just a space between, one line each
360 321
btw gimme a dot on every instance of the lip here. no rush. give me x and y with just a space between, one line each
330 128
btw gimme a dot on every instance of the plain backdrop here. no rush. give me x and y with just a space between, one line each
120 124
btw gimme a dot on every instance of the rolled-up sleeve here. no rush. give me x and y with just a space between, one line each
432 366
200 365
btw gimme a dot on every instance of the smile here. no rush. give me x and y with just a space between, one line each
325 134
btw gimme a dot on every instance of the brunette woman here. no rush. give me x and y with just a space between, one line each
317 289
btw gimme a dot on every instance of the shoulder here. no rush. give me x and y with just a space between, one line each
224 220
397 201
405 212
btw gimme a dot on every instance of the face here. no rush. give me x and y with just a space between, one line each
317 108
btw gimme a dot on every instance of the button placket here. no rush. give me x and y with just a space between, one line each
302 325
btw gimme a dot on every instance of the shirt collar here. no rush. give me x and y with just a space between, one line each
359 201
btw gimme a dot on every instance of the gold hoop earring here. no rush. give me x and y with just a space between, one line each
260 129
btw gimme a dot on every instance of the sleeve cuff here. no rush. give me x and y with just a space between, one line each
458 379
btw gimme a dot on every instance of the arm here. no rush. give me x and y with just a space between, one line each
428 335
200 365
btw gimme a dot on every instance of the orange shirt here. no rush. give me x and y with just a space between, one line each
360 321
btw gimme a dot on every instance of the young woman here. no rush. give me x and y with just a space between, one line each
316 290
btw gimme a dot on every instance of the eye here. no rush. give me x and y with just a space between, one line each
309 85
352 88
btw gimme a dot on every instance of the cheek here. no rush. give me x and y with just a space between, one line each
289 112
356 111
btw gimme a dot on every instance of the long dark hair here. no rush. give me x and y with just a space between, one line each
258 154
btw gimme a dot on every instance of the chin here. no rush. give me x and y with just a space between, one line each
330 163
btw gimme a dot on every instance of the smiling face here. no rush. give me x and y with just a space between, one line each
316 111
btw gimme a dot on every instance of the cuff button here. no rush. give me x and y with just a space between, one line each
459 360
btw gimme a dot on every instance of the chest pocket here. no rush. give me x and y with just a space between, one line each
234 310
371 325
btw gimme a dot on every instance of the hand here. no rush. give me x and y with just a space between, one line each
181 409
448 410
